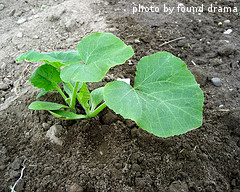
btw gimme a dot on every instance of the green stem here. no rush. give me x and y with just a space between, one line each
78 98
74 95
72 88
70 85
61 92
98 110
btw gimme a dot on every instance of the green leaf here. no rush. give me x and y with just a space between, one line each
68 90
43 92
68 100
42 105
165 100
56 59
98 52
96 97
46 77
66 115
84 96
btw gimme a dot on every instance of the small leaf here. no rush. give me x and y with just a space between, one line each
42 105
43 92
84 95
66 115
98 52
165 100
68 100
56 59
46 77
96 97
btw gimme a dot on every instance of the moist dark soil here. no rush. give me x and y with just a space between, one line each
108 152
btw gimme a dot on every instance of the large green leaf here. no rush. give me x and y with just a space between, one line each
46 77
165 100
42 105
56 59
98 52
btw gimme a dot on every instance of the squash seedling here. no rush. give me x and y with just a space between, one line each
165 99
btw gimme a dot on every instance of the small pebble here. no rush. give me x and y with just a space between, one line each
130 62
216 61
45 126
226 21
137 41
21 20
75 188
219 23
181 5
228 32
111 29
1 7
20 35
216 81
3 86
12 12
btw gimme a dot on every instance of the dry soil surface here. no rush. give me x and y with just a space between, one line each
107 152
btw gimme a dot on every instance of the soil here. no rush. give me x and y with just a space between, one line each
107 152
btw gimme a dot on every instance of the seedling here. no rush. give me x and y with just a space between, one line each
165 99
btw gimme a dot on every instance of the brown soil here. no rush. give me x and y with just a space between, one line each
107 152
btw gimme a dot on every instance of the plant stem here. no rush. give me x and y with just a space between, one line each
74 95
70 85
78 98
98 110
61 92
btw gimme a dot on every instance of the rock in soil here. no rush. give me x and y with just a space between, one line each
45 126
228 32
216 61
216 81
75 188
19 34
3 86
14 174
16 164
53 134
1 7
21 20
226 49
178 186
199 75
